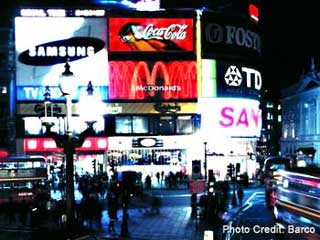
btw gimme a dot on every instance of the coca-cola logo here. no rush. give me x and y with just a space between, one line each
172 32
151 34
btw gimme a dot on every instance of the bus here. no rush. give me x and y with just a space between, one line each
271 167
22 177
297 206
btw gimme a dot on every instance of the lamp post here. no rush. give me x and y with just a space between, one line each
69 141
205 161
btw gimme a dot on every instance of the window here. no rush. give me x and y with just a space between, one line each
140 124
123 124
184 124
166 125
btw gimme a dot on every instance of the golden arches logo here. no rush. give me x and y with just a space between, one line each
149 80
162 80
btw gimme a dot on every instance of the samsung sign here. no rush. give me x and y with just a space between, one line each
230 36
58 51
43 44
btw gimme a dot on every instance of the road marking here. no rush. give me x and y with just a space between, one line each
248 202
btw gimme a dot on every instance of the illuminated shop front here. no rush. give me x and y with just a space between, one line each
92 149
156 85
229 92
230 127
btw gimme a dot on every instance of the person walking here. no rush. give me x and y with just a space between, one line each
112 203
148 182
240 194
194 204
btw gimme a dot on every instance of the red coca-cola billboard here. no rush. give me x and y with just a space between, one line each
152 81
151 34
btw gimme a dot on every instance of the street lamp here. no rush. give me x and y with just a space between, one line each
69 141
205 161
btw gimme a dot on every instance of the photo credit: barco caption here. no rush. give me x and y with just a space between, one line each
258 229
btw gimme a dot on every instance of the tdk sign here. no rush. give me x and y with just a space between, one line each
248 76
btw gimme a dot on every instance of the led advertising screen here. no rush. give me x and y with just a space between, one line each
231 117
44 44
151 35
153 81
229 79
229 36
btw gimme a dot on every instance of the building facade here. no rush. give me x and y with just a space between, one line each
176 86
301 118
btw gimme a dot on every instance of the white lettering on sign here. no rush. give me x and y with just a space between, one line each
256 77
233 77
61 51
32 93
172 32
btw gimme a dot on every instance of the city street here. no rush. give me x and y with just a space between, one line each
173 222
254 220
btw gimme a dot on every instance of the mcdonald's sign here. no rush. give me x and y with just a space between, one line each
152 81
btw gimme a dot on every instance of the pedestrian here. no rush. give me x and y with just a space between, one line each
112 203
158 177
240 194
194 205
23 212
162 176
148 182
155 205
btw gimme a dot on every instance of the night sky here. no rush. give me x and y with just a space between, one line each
289 30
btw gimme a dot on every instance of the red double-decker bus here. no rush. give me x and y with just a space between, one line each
22 177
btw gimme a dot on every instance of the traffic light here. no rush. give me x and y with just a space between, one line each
94 162
230 170
237 168
196 169
211 188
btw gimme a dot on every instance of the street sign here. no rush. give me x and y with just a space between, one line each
197 186
208 235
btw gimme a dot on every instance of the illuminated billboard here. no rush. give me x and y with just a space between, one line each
153 81
44 44
232 117
230 79
49 145
229 36
151 35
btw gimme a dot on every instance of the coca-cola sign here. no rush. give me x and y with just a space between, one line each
151 34
172 32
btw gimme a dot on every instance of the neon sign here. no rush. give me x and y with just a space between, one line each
133 80
42 51
57 51
236 117
151 34
49 145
